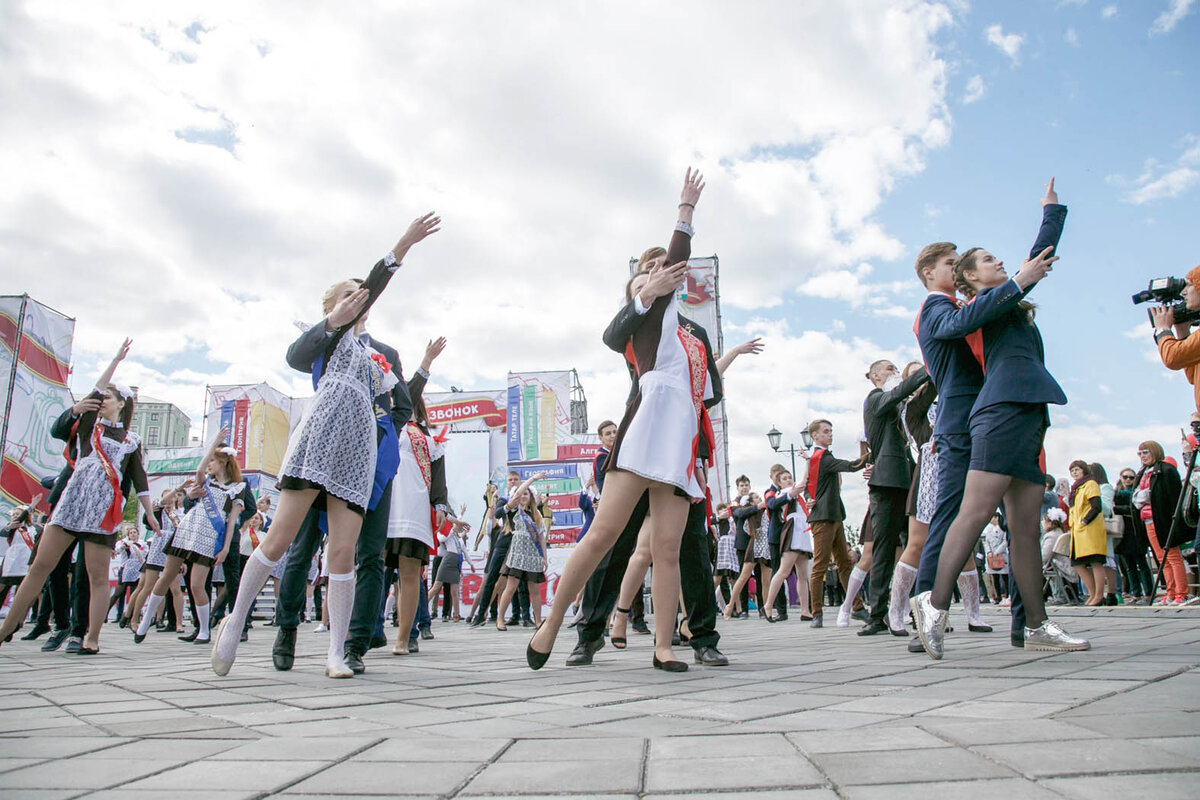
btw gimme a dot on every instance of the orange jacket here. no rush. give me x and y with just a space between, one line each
1183 354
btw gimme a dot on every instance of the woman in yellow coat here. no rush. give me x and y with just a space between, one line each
1088 539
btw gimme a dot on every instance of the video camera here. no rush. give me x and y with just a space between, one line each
1169 292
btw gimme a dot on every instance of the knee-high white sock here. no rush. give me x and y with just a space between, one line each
254 578
152 605
902 582
339 599
857 578
968 587
202 617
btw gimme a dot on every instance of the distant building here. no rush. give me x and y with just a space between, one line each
159 423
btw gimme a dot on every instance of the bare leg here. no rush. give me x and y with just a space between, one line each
1085 575
621 493
635 578
668 515
506 596
535 601
53 543
410 590
786 565
735 593
803 583
97 557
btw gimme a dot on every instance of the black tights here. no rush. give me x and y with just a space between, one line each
1023 501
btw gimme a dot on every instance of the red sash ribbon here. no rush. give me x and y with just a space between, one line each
116 511
420 448
697 357
814 466
26 537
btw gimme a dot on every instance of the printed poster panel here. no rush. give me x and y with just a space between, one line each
259 418
36 396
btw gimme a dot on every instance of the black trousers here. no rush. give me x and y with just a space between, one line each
233 564
695 575
80 596
495 563
888 523
56 594
368 581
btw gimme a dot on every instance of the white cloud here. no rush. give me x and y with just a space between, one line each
975 89
1108 12
1158 181
1071 37
1175 12
1007 43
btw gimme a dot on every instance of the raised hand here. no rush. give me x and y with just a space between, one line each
693 185
664 279
432 350
85 405
1051 195
122 351
1036 268
347 309
219 439
420 229
750 348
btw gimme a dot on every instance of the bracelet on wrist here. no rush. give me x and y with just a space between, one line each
689 205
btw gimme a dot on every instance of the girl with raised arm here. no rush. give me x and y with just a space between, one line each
527 558
330 460
658 440
91 506
203 537
1008 423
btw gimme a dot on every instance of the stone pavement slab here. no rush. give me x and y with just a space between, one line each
800 713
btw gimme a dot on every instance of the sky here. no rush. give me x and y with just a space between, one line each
194 175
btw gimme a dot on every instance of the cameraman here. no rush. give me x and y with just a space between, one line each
1180 348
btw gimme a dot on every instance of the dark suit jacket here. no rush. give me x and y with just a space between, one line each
1165 486
889 448
1015 362
942 331
742 516
828 505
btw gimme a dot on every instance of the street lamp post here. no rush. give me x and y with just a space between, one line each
775 437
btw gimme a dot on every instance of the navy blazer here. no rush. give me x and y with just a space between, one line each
313 342
942 329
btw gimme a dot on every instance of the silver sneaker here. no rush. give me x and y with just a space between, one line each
1051 637
931 624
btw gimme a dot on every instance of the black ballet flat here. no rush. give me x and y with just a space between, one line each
619 642
979 628
670 666
138 638
87 651
205 640
537 660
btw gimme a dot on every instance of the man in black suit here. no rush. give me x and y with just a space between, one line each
891 478
368 553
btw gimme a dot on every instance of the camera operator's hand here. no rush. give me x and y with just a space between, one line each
1163 317
1034 269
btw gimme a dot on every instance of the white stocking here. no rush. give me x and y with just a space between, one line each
254 578
902 582
968 587
202 616
152 605
339 599
857 578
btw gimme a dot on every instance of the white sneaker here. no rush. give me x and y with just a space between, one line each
843 620
322 628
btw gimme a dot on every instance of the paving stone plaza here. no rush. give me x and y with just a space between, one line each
800 713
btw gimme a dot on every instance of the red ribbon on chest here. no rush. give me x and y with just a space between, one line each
697 358
115 513
420 448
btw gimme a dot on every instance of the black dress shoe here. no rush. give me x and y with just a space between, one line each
377 642
640 626
872 628
123 622
84 650
426 633
711 657
915 646
138 638
985 629
581 656
283 652
198 640
818 622
245 637
37 631
527 623
475 622
414 646
1017 640
862 615
191 637
537 660
895 632
515 621
670 666
55 640
355 663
